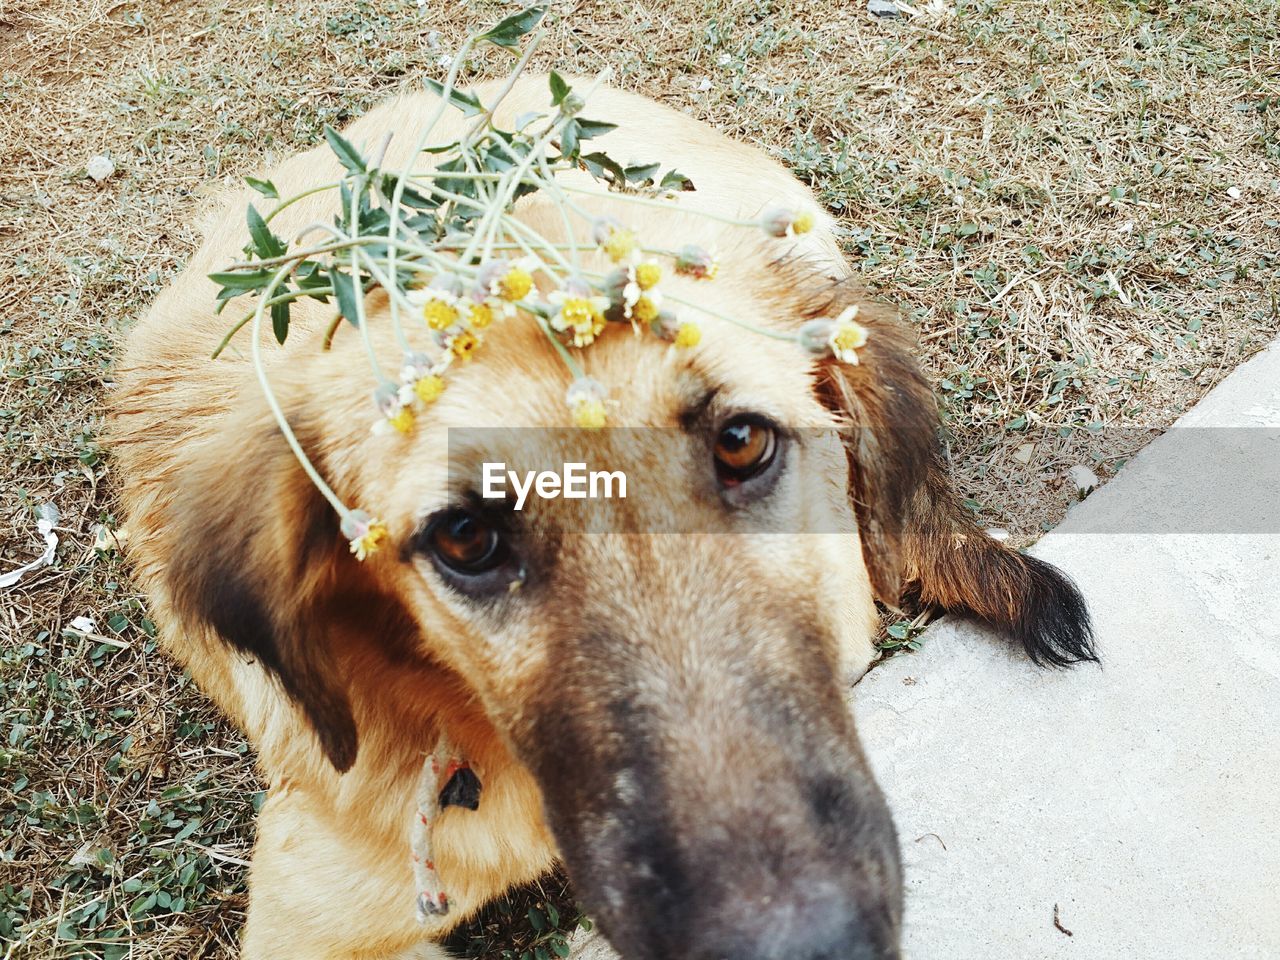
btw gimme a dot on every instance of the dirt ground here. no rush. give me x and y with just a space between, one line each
1076 202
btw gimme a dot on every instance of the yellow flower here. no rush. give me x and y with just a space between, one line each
364 533
620 245
847 336
590 415
428 388
645 310
515 284
481 315
373 538
689 335
439 313
614 239
463 344
401 419
786 222
586 398
648 274
579 312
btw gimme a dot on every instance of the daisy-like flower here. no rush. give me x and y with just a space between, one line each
402 420
420 382
580 311
586 399
688 335
647 274
395 405
414 366
786 222
505 280
427 389
647 306
639 304
364 533
697 262
670 327
515 284
438 302
841 337
848 336
440 310
463 344
618 243
479 315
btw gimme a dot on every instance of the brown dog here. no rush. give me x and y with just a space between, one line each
665 711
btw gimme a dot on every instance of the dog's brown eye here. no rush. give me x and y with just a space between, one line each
744 447
465 543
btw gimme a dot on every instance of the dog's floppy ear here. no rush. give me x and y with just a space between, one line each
917 537
255 556
889 428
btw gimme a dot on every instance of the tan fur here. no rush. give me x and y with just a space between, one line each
200 458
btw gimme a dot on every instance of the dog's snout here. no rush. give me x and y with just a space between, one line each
801 927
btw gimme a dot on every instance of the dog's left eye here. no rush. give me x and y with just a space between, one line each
744 448
465 543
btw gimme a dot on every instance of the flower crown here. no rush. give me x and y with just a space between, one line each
444 245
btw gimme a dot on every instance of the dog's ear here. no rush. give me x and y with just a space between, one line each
255 556
890 429
917 536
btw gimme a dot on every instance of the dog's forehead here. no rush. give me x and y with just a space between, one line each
519 381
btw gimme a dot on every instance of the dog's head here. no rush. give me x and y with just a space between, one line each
679 697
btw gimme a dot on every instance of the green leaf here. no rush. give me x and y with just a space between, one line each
899 631
310 277
675 180
587 129
264 187
344 289
598 164
569 140
468 103
507 32
410 197
536 919
347 155
641 172
559 89
280 320
242 281
265 243
560 947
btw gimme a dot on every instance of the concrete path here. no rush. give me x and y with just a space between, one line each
1143 798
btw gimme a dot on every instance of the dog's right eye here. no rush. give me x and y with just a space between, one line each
465 544
744 448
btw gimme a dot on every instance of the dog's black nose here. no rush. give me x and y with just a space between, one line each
830 929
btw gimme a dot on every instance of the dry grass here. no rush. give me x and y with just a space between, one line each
1076 202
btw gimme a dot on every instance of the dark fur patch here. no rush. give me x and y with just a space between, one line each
251 566
1053 625
951 562
917 538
